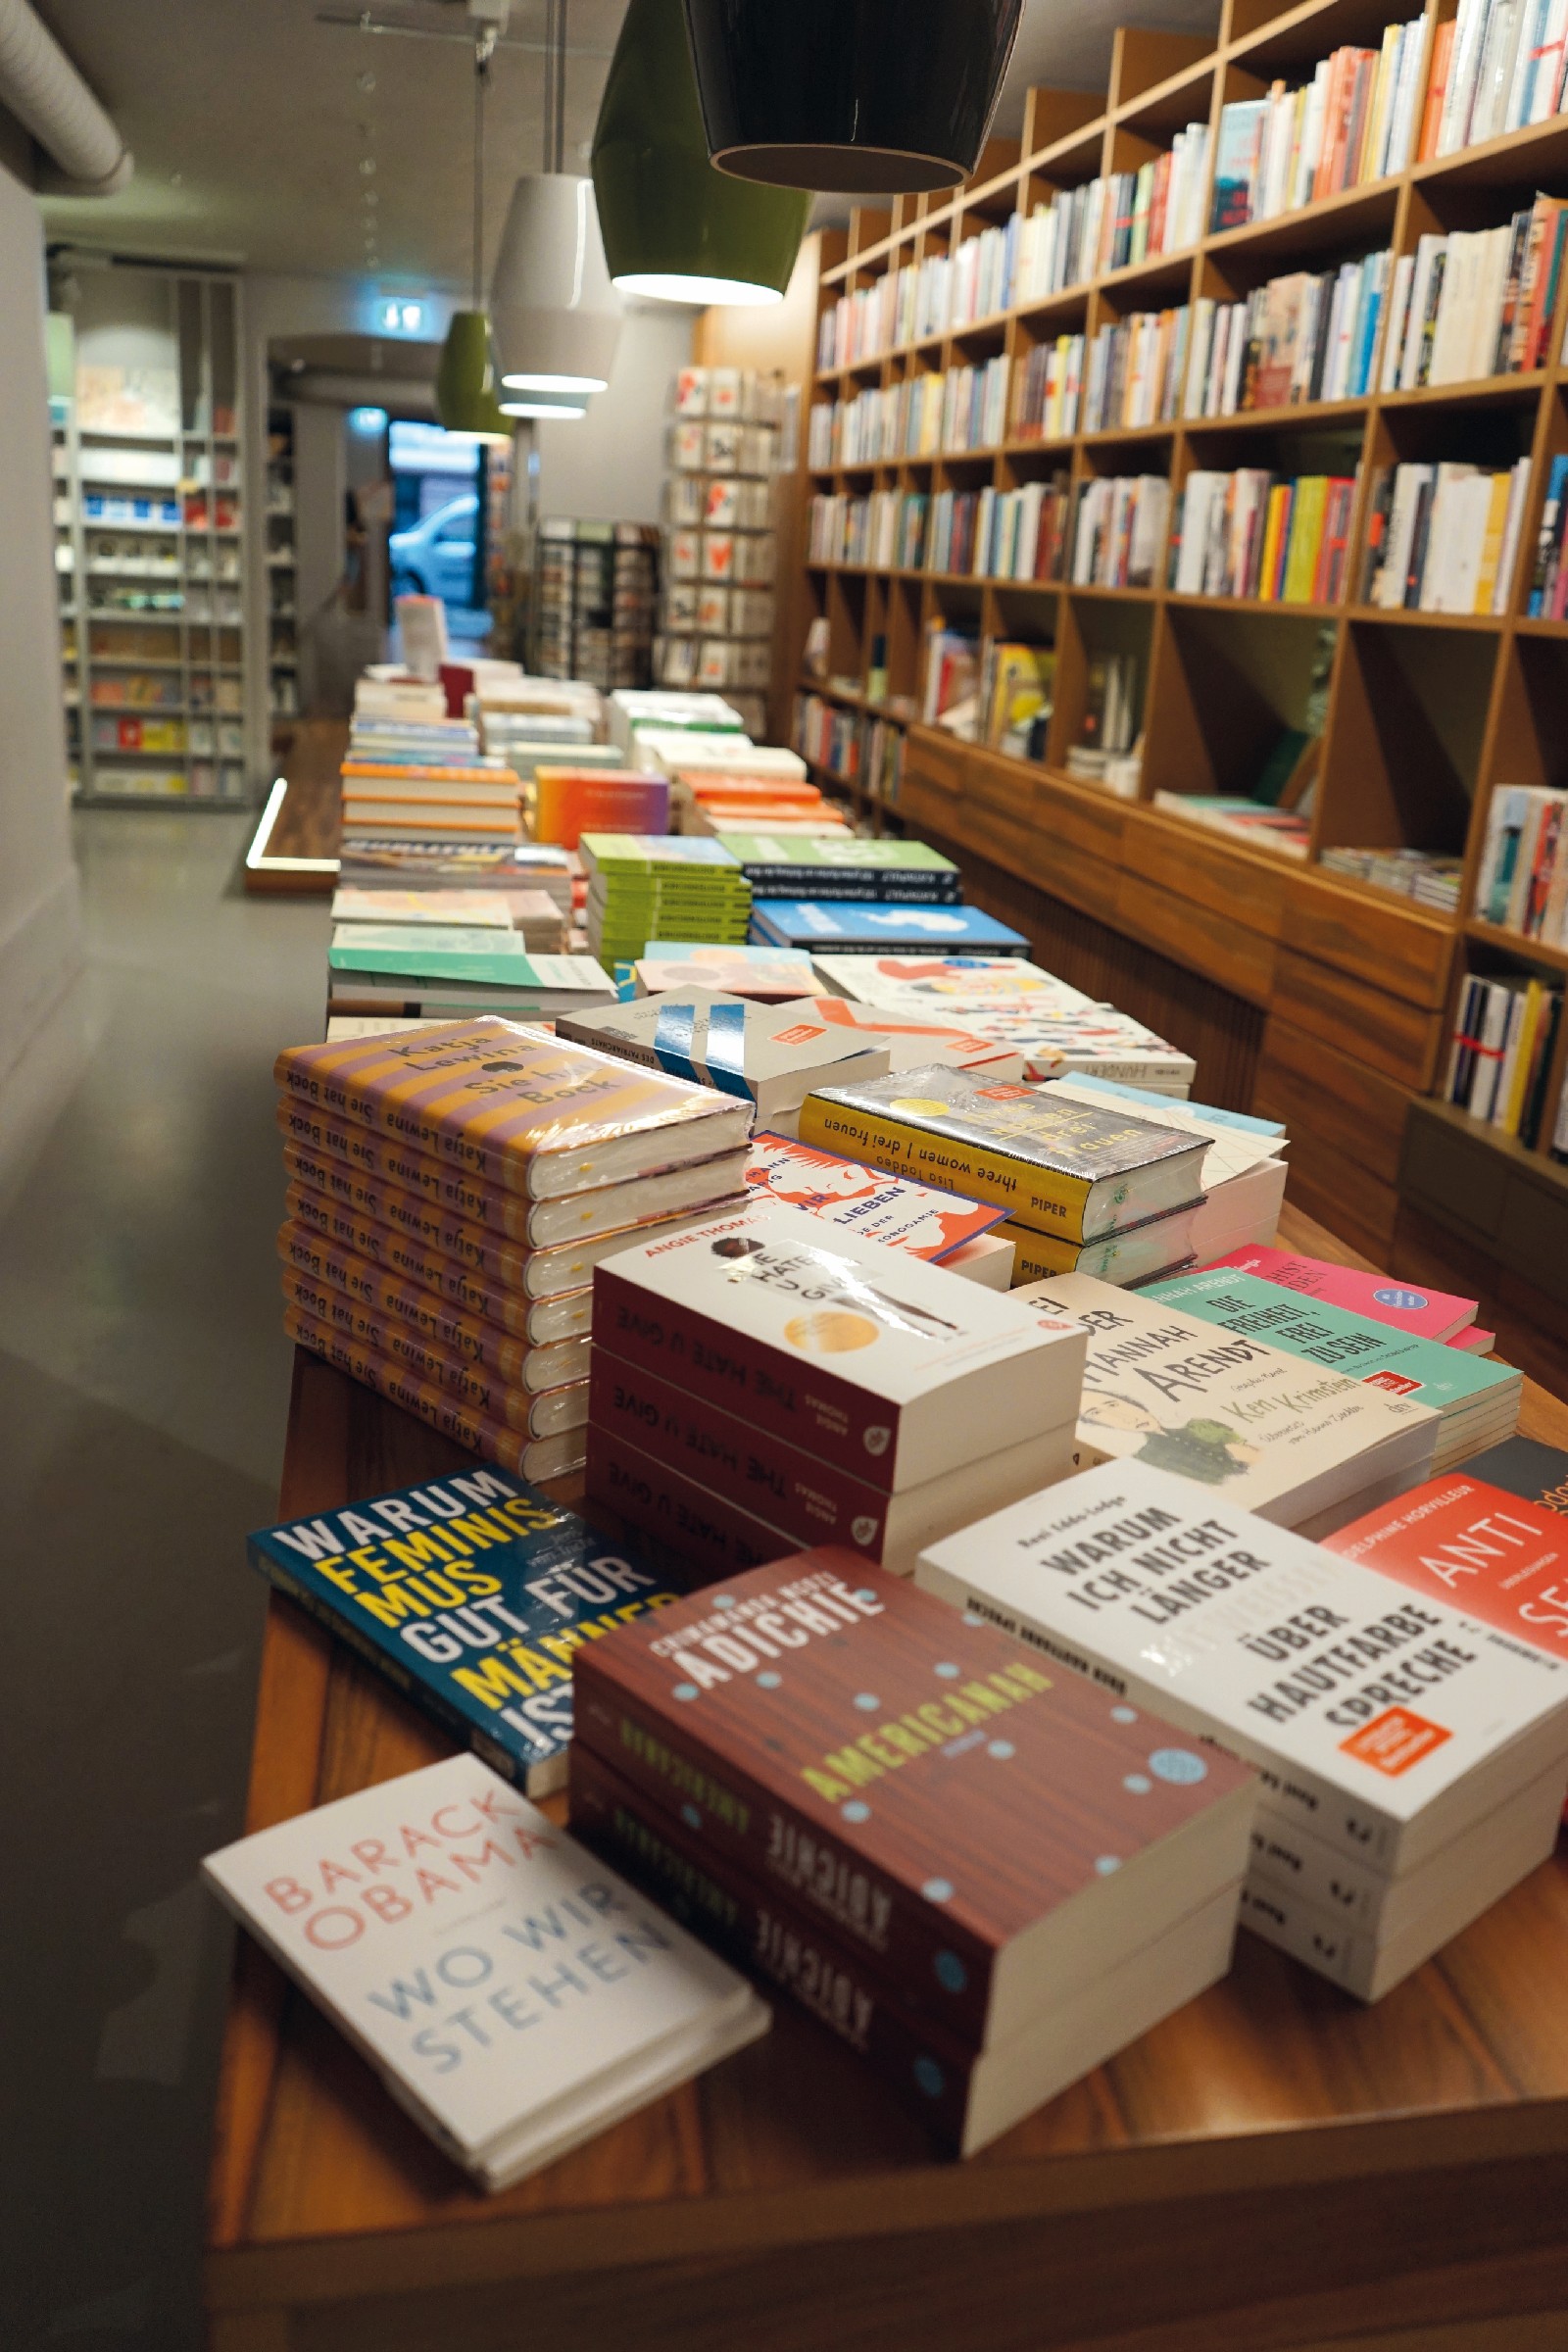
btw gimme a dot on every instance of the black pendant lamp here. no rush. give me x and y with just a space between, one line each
868 97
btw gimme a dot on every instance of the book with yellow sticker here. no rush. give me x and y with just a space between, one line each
1056 1165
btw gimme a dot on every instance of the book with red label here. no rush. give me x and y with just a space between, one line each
859 1355
537 1224
542 1273
1404 1307
507 1104
989 1834
780 1488
965 2096
894 1210
1476 1546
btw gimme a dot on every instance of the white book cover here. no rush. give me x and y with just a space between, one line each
862 1355
1384 1722
1286 1440
515 1994
771 1054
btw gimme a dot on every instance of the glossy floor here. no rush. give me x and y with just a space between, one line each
143 1383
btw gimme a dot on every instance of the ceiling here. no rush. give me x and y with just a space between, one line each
260 129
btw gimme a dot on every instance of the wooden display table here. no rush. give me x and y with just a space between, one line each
1275 2165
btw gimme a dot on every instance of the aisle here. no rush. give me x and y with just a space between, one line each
144 1381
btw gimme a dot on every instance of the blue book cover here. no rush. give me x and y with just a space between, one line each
471 1592
1208 1112
850 928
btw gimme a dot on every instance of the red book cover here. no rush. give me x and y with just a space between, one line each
1480 1548
713 1534
981 1829
1437 91
1404 1307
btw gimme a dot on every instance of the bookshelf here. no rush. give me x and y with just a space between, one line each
1340 992
283 574
150 529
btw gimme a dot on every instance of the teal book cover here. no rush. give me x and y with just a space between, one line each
1444 1378
472 1593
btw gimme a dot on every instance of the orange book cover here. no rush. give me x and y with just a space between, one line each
1485 1551
1437 91
568 802
396 772
513 1106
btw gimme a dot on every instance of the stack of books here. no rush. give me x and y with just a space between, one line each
1425 1315
452 1187
644 886
507 2102
720 802
1549 578
1258 824
1500 1062
630 710
769 1054
1068 1173
1477 1403
1308 1452
1242 1176
535 915
1412 1762
884 872
940 984
1303 337
564 803
767 1378
1523 882
430 969
424 778
1036 1883
1478 303
1248 533
510 869
824 927
1355 121
1444 538
1426 876
1495 68
1119 531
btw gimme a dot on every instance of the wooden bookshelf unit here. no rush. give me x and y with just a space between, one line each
1311 996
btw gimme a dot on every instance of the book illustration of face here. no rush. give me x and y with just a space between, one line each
843 1304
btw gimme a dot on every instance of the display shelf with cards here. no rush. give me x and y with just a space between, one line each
1278 510
282 614
150 520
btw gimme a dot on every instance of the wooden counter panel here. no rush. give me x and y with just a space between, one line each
1195 865
1372 936
1208 939
1398 1039
1330 1102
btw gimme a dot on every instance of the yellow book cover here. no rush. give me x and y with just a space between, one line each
1306 538
1535 999
1279 500
1056 1165
513 1106
1492 543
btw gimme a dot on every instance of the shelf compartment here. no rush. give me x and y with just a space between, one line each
1409 724
1487 1188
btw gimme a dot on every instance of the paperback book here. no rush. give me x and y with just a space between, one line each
770 1056
886 871
1426 1314
892 1210
952 985
818 926
471 1594
477 1902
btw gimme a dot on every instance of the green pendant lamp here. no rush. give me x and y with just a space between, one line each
674 228
465 397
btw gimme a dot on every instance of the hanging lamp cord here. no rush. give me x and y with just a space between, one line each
483 50
553 144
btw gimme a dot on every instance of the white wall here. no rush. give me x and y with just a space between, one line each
40 946
610 467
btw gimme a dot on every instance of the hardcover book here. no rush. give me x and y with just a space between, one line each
476 1905
965 2097
857 1354
1055 1165
1477 1400
892 1210
1294 1444
539 1374
821 927
540 1321
1404 1307
990 1835
881 871
512 1106
540 1224
763 1054
1383 1724
947 985
472 1593
549 1446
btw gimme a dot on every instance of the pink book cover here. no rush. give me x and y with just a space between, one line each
1405 1306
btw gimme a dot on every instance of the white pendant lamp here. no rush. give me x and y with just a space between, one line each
555 314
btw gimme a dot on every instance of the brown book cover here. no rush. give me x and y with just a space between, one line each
983 1830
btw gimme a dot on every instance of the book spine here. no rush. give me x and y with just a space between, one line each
900 1933
777 1939
1043 1198
429 1268
349 1144
1320 1941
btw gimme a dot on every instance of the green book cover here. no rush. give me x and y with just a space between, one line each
489 960
835 854
654 853
1444 1378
